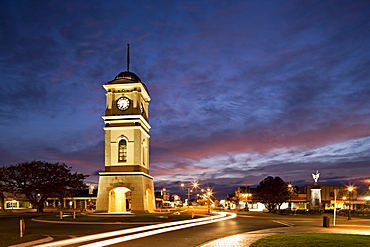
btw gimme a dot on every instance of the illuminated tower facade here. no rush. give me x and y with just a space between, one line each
125 185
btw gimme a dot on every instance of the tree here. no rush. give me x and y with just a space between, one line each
272 192
2 178
40 180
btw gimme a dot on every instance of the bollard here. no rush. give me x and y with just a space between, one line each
22 227
326 221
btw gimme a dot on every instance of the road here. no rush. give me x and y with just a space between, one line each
10 225
197 235
185 237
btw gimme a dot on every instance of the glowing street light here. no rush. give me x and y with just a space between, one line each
336 191
246 195
290 189
206 193
91 189
208 196
350 189
193 185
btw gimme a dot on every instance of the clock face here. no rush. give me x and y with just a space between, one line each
123 103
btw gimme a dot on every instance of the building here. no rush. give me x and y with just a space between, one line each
84 201
125 185
331 196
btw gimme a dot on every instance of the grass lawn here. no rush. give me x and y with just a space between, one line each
9 239
313 239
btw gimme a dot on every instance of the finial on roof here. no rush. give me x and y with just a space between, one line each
128 57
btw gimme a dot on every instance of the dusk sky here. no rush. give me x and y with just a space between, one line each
240 90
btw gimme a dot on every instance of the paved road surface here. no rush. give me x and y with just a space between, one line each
186 237
201 234
192 236
10 225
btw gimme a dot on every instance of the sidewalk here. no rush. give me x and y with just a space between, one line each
246 239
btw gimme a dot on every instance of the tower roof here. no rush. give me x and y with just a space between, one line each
127 77
130 77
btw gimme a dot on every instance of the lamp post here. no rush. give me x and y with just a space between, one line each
290 188
190 189
336 191
208 195
246 195
91 192
350 189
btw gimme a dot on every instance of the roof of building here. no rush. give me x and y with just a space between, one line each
127 77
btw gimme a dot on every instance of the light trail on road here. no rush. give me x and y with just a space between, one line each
154 232
170 225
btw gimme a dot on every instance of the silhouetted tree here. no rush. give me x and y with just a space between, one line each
39 180
272 192
2 187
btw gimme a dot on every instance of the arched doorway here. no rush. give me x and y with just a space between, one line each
150 200
119 200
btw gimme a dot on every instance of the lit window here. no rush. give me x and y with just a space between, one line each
122 151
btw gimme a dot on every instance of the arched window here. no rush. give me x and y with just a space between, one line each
122 150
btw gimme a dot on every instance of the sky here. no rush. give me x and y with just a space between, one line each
240 90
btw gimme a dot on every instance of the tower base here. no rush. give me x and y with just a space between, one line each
123 192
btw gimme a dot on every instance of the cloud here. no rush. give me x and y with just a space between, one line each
239 91
346 158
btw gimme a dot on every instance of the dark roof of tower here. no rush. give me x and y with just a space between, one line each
127 77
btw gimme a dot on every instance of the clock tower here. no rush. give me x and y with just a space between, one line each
125 185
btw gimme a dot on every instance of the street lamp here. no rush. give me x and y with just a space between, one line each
290 189
336 191
190 189
246 195
350 189
207 195
91 192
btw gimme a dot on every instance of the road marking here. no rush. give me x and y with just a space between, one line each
284 223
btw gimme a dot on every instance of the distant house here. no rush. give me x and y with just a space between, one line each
243 198
85 200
